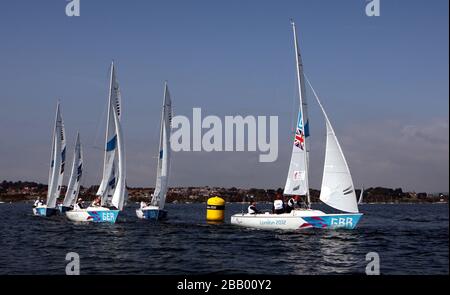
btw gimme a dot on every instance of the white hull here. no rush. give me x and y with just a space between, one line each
290 221
93 214
297 219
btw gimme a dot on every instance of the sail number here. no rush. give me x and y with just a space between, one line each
108 216
342 222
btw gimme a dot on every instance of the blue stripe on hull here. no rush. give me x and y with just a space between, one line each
154 214
348 221
46 212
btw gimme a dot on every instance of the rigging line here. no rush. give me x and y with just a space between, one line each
101 119
156 132
319 102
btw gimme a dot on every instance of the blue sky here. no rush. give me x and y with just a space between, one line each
383 81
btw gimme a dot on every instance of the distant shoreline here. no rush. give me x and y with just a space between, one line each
22 191
30 201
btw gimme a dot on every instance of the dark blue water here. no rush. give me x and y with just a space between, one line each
410 239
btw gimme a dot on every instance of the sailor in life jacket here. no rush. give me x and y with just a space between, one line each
252 208
37 203
79 204
278 205
291 204
97 202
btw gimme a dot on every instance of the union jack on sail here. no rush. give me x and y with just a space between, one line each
299 139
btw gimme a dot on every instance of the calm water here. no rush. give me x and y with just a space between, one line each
410 239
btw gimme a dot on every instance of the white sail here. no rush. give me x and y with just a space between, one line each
337 188
109 179
120 192
159 196
360 200
73 188
111 184
297 179
58 159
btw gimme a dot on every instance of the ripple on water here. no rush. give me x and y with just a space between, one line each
410 239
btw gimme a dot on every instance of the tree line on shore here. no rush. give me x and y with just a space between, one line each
26 190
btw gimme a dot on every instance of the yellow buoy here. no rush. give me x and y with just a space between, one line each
215 209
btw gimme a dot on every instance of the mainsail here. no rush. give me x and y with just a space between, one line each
58 158
120 191
110 169
297 179
337 188
159 196
73 188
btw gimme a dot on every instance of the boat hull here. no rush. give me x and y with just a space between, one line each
93 214
151 213
297 219
43 211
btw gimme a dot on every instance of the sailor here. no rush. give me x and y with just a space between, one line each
97 202
252 208
298 202
291 204
278 205
37 202
143 204
79 204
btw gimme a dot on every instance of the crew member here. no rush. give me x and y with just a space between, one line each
252 208
278 205
97 202
291 204
78 205
37 202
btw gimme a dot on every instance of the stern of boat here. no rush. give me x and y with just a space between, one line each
43 211
334 221
151 213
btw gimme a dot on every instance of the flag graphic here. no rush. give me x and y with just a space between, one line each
299 140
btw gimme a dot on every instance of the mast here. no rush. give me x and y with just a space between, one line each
302 107
105 178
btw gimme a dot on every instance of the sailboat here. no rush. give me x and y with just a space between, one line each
56 173
112 192
360 200
73 188
337 189
155 210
